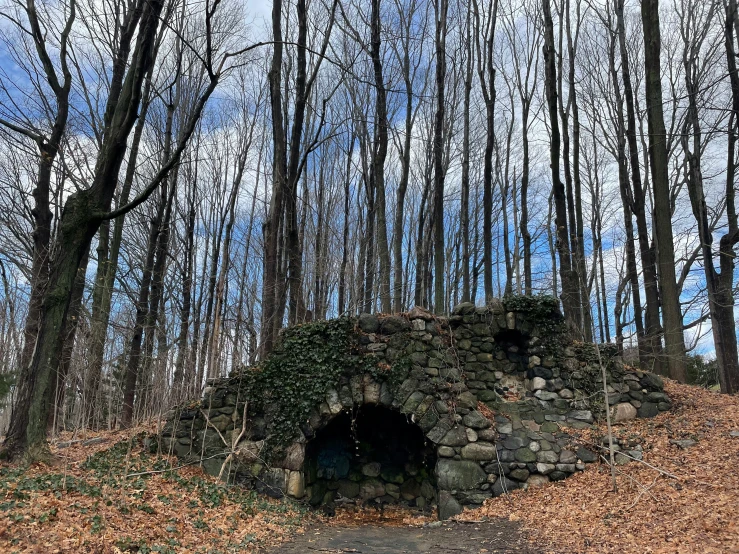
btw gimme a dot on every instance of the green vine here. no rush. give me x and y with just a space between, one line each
543 312
309 361
394 375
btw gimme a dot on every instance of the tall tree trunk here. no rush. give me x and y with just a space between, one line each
570 291
142 314
464 208
597 226
70 332
627 202
156 303
421 251
178 385
721 305
672 317
504 187
214 351
49 147
486 71
370 261
379 153
210 299
405 171
160 259
41 250
524 221
564 134
579 244
245 296
294 169
81 218
107 267
652 329
442 6
273 222
319 310
729 363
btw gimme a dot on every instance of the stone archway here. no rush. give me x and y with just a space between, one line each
371 454
432 406
491 391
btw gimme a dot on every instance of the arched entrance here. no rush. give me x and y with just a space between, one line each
373 455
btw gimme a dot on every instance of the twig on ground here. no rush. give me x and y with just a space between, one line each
644 490
153 472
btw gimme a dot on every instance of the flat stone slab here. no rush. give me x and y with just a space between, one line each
449 537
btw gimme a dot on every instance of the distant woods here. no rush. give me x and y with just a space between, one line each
179 181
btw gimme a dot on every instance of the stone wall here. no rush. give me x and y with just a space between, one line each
494 389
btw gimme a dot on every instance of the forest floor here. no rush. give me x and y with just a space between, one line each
684 498
106 493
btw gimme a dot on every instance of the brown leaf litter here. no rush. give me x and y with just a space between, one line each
689 503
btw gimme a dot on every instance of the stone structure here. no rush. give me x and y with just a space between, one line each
473 406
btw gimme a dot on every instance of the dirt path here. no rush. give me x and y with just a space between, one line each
498 536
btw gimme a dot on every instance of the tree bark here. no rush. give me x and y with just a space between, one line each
464 208
570 291
142 314
442 7
486 71
179 382
627 202
345 234
718 285
48 150
579 244
729 363
653 329
272 224
379 153
671 315
70 332
82 215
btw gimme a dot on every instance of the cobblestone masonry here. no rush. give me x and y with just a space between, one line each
493 389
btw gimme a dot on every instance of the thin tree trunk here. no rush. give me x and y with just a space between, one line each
178 385
524 222
579 245
102 294
345 235
142 313
405 170
564 134
464 208
486 71
442 6
379 153
729 364
421 252
652 328
570 292
632 271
